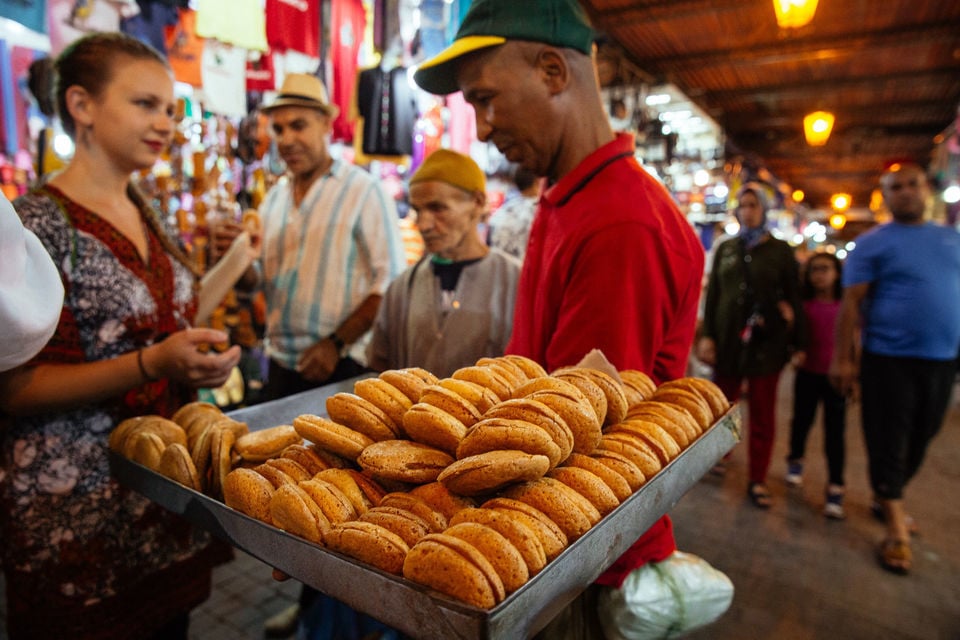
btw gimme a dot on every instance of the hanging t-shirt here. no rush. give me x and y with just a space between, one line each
69 20
294 24
389 110
224 79
30 13
185 48
348 20
260 72
237 22
150 23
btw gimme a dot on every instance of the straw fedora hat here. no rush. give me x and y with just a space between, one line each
303 90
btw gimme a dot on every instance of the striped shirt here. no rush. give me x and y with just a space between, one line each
321 260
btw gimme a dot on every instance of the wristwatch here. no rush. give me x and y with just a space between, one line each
337 341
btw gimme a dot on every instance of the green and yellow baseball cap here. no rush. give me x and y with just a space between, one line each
489 23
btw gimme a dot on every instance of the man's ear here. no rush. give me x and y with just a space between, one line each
79 103
553 69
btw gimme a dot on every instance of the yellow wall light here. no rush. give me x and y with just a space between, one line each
794 13
838 221
840 202
817 127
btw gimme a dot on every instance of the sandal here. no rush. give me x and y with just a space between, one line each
877 512
759 495
895 556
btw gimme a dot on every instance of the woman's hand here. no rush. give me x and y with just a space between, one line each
182 357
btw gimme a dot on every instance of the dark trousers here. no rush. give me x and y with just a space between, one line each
762 418
809 390
283 382
903 401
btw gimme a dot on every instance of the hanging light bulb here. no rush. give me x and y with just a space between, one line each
840 202
794 13
817 127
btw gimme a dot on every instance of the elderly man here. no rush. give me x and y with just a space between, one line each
611 262
902 288
455 305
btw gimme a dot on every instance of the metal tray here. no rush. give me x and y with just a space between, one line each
413 609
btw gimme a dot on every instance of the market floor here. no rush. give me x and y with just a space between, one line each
797 575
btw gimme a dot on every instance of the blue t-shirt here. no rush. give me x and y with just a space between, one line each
913 306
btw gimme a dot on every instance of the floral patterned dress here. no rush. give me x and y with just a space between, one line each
71 536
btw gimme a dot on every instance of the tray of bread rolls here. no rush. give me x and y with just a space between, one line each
474 506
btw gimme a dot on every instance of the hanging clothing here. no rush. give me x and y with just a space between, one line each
294 25
389 110
237 22
185 48
349 20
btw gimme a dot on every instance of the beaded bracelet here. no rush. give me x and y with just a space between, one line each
143 369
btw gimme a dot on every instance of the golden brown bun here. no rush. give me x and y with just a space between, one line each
405 524
370 487
187 412
493 470
335 438
362 416
168 431
335 505
555 503
639 380
491 434
710 392
589 485
118 436
694 404
453 403
530 367
258 446
432 426
145 448
480 397
578 377
621 464
385 397
677 422
290 467
434 519
306 457
579 416
455 568
175 463
442 499
423 374
347 483
293 510
512 527
409 384
638 451
276 476
577 498
535 412
615 481
550 383
221 459
654 435
332 460
404 461
485 377
251 222
551 536
369 543
613 390
200 453
503 556
507 370
248 492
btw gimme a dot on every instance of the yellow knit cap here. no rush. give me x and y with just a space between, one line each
453 168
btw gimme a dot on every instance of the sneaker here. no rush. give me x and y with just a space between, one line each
794 477
283 624
833 509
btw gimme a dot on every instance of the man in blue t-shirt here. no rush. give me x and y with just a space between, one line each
902 289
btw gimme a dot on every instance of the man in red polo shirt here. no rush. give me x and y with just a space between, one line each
611 262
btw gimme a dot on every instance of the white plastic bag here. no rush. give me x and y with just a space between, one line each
665 599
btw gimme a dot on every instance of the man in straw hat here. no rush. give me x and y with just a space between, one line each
455 305
331 245
611 262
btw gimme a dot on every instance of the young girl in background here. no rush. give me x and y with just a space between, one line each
821 293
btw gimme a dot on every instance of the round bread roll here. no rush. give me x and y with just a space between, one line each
258 446
388 398
639 380
535 412
200 454
507 370
369 543
580 500
185 413
578 377
453 403
416 505
511 527
145 448
442 499
306 457
293 510
370 487
480 397
503 556
433 426
530 368
638 451
550 383
615 481
579 416
118 436
347 483
551 536
404 461
619 463
654 435
176 464
455 568
555 503
335 438
710 392
670 417
168 431
275 475
409 384
290 467
589 485
423 374
503 433
405 524
694 404
221 459
613 391
362 415
335 505
491 471
485 377
203 422
248 492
